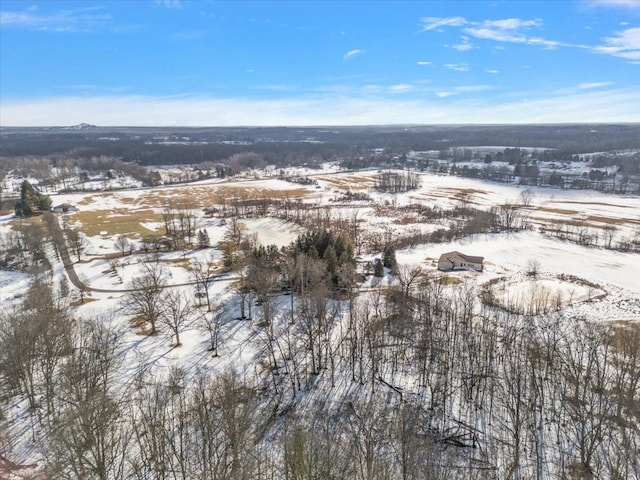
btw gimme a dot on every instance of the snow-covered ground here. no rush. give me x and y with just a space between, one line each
564 268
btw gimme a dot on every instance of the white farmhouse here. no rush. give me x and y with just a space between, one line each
459 261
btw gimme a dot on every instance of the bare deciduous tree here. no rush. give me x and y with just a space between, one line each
177 311
145 299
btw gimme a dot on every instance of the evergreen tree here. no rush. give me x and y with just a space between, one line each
378 268
31 201
331 258
389 258
203 239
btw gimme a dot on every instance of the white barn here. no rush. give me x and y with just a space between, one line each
64 208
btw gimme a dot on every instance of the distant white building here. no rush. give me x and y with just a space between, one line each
459 261
64 208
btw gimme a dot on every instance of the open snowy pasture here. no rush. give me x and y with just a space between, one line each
600 284
597 213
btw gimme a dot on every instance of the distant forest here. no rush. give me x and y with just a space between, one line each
291 145
53 155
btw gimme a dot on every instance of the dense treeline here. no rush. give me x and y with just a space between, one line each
415 381
192 145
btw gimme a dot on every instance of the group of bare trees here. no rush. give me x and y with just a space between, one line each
513 396
180 225
149 301
417 380
396 182
414 381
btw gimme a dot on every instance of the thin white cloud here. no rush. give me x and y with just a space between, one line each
473 88
457 67
401 88
79 20
352 53
507 30
582 87
590 85
495 34
464 46
462 89
512 23
492 70
593 105
422 62
624 44
633 4
176 4
431 23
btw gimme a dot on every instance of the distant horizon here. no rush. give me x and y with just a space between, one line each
312 63
372 125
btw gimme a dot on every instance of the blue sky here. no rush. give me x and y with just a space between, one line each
218 63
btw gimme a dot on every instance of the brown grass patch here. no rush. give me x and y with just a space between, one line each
120 221
559 211
350 182
612 221
602 204
86 201
206 196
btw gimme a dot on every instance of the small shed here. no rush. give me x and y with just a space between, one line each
459 261
64 208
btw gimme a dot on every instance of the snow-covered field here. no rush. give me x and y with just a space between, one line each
589 282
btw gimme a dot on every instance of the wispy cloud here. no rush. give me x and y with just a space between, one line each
353 53
464 46
614 3
445 93
431 23
581 87
592 105
422 62
509 30
590 85
462 89
457 67
401 88
624 44
169 3
79 20
492 70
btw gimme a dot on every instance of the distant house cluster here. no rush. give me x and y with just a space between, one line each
64 208
459 261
